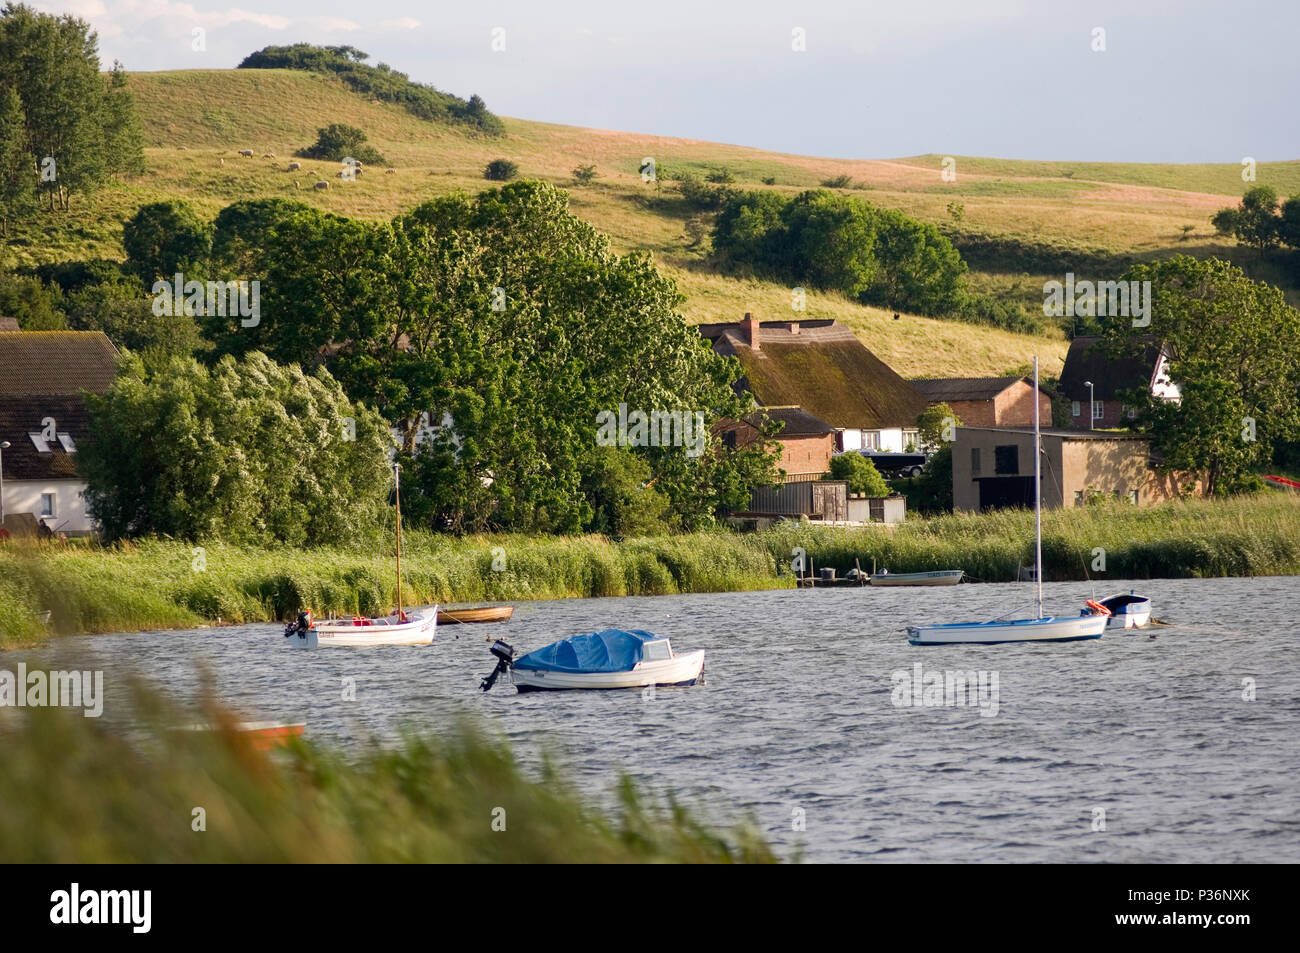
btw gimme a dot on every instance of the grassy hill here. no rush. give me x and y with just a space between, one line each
196 121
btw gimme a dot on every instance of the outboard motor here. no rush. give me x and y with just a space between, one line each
505 658
300 627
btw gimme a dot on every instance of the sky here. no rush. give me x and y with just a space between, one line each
1163 80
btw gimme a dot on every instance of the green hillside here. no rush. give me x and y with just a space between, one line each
197 121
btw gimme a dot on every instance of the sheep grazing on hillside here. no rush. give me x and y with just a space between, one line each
390 172
268 155
295 166
322 185
246 153
222 161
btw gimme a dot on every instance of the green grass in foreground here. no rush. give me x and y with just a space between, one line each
426 801
153 584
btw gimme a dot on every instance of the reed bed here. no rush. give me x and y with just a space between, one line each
159 584
459 798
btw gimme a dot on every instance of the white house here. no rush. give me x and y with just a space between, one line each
43 416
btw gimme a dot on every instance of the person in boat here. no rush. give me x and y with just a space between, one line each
301 626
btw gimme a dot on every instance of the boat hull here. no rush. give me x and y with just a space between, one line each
945 577
481 614
1128 611
684 669
419 629
1020 630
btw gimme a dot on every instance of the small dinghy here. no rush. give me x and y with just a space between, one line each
260 735
941 577
475 614
611 658
1127 610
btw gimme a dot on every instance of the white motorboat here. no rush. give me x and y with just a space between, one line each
941 577
608 659
1128 610
1041 628
396 628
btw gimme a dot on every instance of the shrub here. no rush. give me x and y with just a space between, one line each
585 174
500 170
339 141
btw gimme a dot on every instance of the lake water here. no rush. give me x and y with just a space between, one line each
797 726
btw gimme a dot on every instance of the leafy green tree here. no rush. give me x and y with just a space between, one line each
123 134
1288 228
164 238
17 171
749 232
246 451
36 305
934 425
501 170
584 174
1239 379
1254 222
931 492
861 473
618 484
120 308
920 270
339 141
53 63
830 242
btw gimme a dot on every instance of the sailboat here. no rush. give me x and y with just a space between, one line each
398 628
1041 628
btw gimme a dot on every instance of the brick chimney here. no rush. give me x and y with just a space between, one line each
751 331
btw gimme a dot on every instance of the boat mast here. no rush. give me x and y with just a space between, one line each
397 498
1038 498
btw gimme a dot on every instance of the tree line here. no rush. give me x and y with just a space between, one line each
378 82
489 331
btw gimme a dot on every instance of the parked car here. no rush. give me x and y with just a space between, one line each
897 464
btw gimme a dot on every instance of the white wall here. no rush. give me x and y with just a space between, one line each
24 496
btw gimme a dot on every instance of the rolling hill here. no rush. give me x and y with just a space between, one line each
196 121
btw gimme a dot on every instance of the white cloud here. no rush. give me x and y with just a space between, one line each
401 23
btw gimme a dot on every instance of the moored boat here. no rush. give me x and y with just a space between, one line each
1128 610
475 614
1041 628
941 577
260 735
611 658
397 628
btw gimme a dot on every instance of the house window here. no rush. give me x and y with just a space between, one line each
1078 497
1098 409
67 443
47 504
1006 459
729 439
974 460
870 439
1133 497
1074 408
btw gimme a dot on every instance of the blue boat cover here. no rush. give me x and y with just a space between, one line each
610 650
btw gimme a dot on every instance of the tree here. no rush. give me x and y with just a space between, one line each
830 242
935 425
339 141
166 237
749 232
500 170
246 451
511 321
35 305
17 171
53 64
1254 222
123 135
584 174
919 271
861 473
619 486
1233 361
